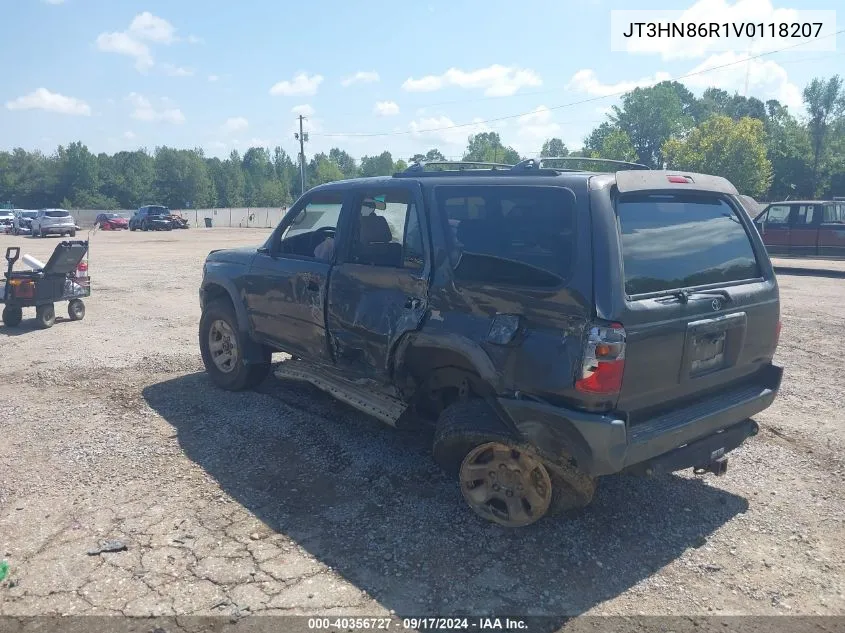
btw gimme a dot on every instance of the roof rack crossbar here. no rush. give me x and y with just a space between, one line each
462 164
537 163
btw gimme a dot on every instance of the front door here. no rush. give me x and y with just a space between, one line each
773 225
832 230
287 285
379 288
804 232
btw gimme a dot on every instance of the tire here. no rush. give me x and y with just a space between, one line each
131 228
466 426
144 226
45 315
12 316
73 233
33 232
76 309
240 376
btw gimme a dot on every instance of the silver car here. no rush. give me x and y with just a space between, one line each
22 224
6 218
55 221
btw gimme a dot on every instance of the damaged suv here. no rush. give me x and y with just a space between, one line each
553 325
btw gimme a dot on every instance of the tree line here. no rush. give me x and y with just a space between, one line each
763 148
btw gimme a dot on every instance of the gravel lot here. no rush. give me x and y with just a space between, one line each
285 501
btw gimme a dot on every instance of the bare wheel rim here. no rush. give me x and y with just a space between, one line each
223 345
505 485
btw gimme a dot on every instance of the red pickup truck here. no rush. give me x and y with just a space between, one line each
804 228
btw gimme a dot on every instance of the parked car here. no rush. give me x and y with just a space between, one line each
574 325
151 218
111 222
53 221
804 228
22 224
7 216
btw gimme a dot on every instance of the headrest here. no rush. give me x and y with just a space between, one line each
374 229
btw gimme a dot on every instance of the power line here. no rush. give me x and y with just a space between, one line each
575 103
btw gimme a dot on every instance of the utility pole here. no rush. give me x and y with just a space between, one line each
302 137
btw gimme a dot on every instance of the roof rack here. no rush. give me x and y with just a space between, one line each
459 165
537 163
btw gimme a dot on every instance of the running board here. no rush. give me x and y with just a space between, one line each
361 397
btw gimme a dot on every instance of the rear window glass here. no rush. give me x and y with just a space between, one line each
510 234
671 242
56 214
158 210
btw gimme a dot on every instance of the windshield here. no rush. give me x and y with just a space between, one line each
6 214
679 241
29 214
158 211
112 216
56 213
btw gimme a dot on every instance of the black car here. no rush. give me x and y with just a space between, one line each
553 325
151 218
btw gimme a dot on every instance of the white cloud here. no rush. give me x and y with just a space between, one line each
178 71
766 78
301 85
133 42
362 76
145 111
125 44
194 39
714 12
213 78
585 80
54 1
537 125
495 80
146 26
304 109
386 108
259 142
43 99
442 129
129 135
235 124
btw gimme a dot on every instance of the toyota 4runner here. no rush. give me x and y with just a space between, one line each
554 325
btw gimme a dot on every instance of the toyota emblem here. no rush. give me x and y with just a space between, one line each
717 304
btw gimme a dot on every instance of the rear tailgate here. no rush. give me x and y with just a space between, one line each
700 307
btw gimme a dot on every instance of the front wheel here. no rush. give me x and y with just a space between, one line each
12 316
222 346
45 316
73 233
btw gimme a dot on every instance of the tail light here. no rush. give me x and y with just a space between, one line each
604 360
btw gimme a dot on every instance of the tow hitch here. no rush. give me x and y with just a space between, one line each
718 467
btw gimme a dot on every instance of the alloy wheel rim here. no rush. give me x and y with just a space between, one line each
223 346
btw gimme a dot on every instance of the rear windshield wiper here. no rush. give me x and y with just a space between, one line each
684 296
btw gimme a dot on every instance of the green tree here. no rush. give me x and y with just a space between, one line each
181 178
554 147
78 172
487 147
825 102
616 145
322 169
721 146
347 165
788 149
652 116
258 169
399 166
381 165
234 183
286 173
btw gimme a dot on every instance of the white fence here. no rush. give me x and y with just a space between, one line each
237 218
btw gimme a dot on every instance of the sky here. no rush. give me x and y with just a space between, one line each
370 76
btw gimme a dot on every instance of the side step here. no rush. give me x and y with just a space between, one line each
361 397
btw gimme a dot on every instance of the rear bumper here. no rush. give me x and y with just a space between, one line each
678 439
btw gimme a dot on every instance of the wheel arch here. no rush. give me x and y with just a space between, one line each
216 288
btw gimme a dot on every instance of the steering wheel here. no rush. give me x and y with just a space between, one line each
325 232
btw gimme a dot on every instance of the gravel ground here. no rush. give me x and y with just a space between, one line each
284 501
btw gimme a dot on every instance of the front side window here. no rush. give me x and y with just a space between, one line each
681 241
777 214
311 231
522 235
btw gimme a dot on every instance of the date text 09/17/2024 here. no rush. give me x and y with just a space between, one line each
418 624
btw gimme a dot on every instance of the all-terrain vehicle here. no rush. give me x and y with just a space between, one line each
553 324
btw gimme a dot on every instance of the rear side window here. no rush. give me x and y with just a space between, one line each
56 214
673 241
520 235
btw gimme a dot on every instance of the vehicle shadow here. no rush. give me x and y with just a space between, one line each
369 502
28 325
